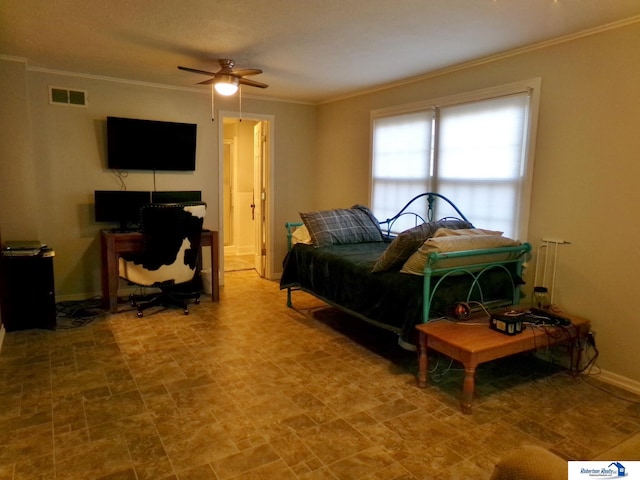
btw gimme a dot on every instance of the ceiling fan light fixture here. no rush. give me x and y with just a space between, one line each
226 84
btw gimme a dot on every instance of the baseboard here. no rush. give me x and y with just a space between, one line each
77 297
558 356
239 249
80 297
230 250
619 381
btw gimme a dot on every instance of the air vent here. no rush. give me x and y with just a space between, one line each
66 96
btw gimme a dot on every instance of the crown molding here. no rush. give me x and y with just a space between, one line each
105 78
492 58
11 58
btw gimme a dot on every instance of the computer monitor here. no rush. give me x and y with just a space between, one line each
176 196
120 206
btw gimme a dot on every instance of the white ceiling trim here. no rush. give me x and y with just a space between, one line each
207 92
152 85
10 58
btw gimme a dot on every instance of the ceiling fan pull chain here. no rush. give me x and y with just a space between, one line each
240 99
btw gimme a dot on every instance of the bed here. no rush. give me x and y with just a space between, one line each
404 270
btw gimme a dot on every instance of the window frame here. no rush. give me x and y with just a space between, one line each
531 86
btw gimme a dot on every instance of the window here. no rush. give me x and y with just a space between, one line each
475 149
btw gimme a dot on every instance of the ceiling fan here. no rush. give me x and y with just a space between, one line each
226 80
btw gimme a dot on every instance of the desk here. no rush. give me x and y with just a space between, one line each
473 344
114 244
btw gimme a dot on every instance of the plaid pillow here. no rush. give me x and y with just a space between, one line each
342 226
405 244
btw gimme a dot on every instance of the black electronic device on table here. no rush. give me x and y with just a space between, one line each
123 206
183 196
120 206
507 324
549 318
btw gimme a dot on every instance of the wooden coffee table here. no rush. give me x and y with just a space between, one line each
472 342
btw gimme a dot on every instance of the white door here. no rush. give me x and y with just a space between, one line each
259 185
259 195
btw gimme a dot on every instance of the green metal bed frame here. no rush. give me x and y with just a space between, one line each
434 272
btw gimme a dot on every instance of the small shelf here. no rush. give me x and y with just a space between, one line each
27 293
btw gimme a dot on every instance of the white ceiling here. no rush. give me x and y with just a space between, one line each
310 50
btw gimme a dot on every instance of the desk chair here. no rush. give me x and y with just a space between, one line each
169 258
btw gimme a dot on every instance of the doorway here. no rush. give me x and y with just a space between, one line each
245 191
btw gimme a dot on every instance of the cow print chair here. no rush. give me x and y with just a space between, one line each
170 254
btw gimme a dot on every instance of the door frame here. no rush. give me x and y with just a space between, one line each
269 201
233 158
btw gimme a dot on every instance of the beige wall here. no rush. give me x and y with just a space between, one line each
17 198
586 171
586 167
52 158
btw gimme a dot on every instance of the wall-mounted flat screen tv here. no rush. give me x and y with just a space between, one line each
134 144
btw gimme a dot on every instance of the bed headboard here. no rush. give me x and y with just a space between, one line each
416 204
420 209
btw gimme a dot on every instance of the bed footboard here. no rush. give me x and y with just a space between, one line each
474 263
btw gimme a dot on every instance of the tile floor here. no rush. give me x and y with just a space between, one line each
233 263
251 389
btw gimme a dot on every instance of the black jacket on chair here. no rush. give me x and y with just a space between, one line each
171 236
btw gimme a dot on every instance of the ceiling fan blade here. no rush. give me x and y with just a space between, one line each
253 83
227 70
246 72
194 70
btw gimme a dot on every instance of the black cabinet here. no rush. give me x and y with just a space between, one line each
27 294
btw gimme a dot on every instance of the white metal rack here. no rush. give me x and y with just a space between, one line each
548 249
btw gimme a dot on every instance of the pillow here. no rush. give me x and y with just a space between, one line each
446 232
455 243
342 226
529 461
410 240
301 235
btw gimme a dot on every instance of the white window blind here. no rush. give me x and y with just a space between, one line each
475 152
481 159
401 161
